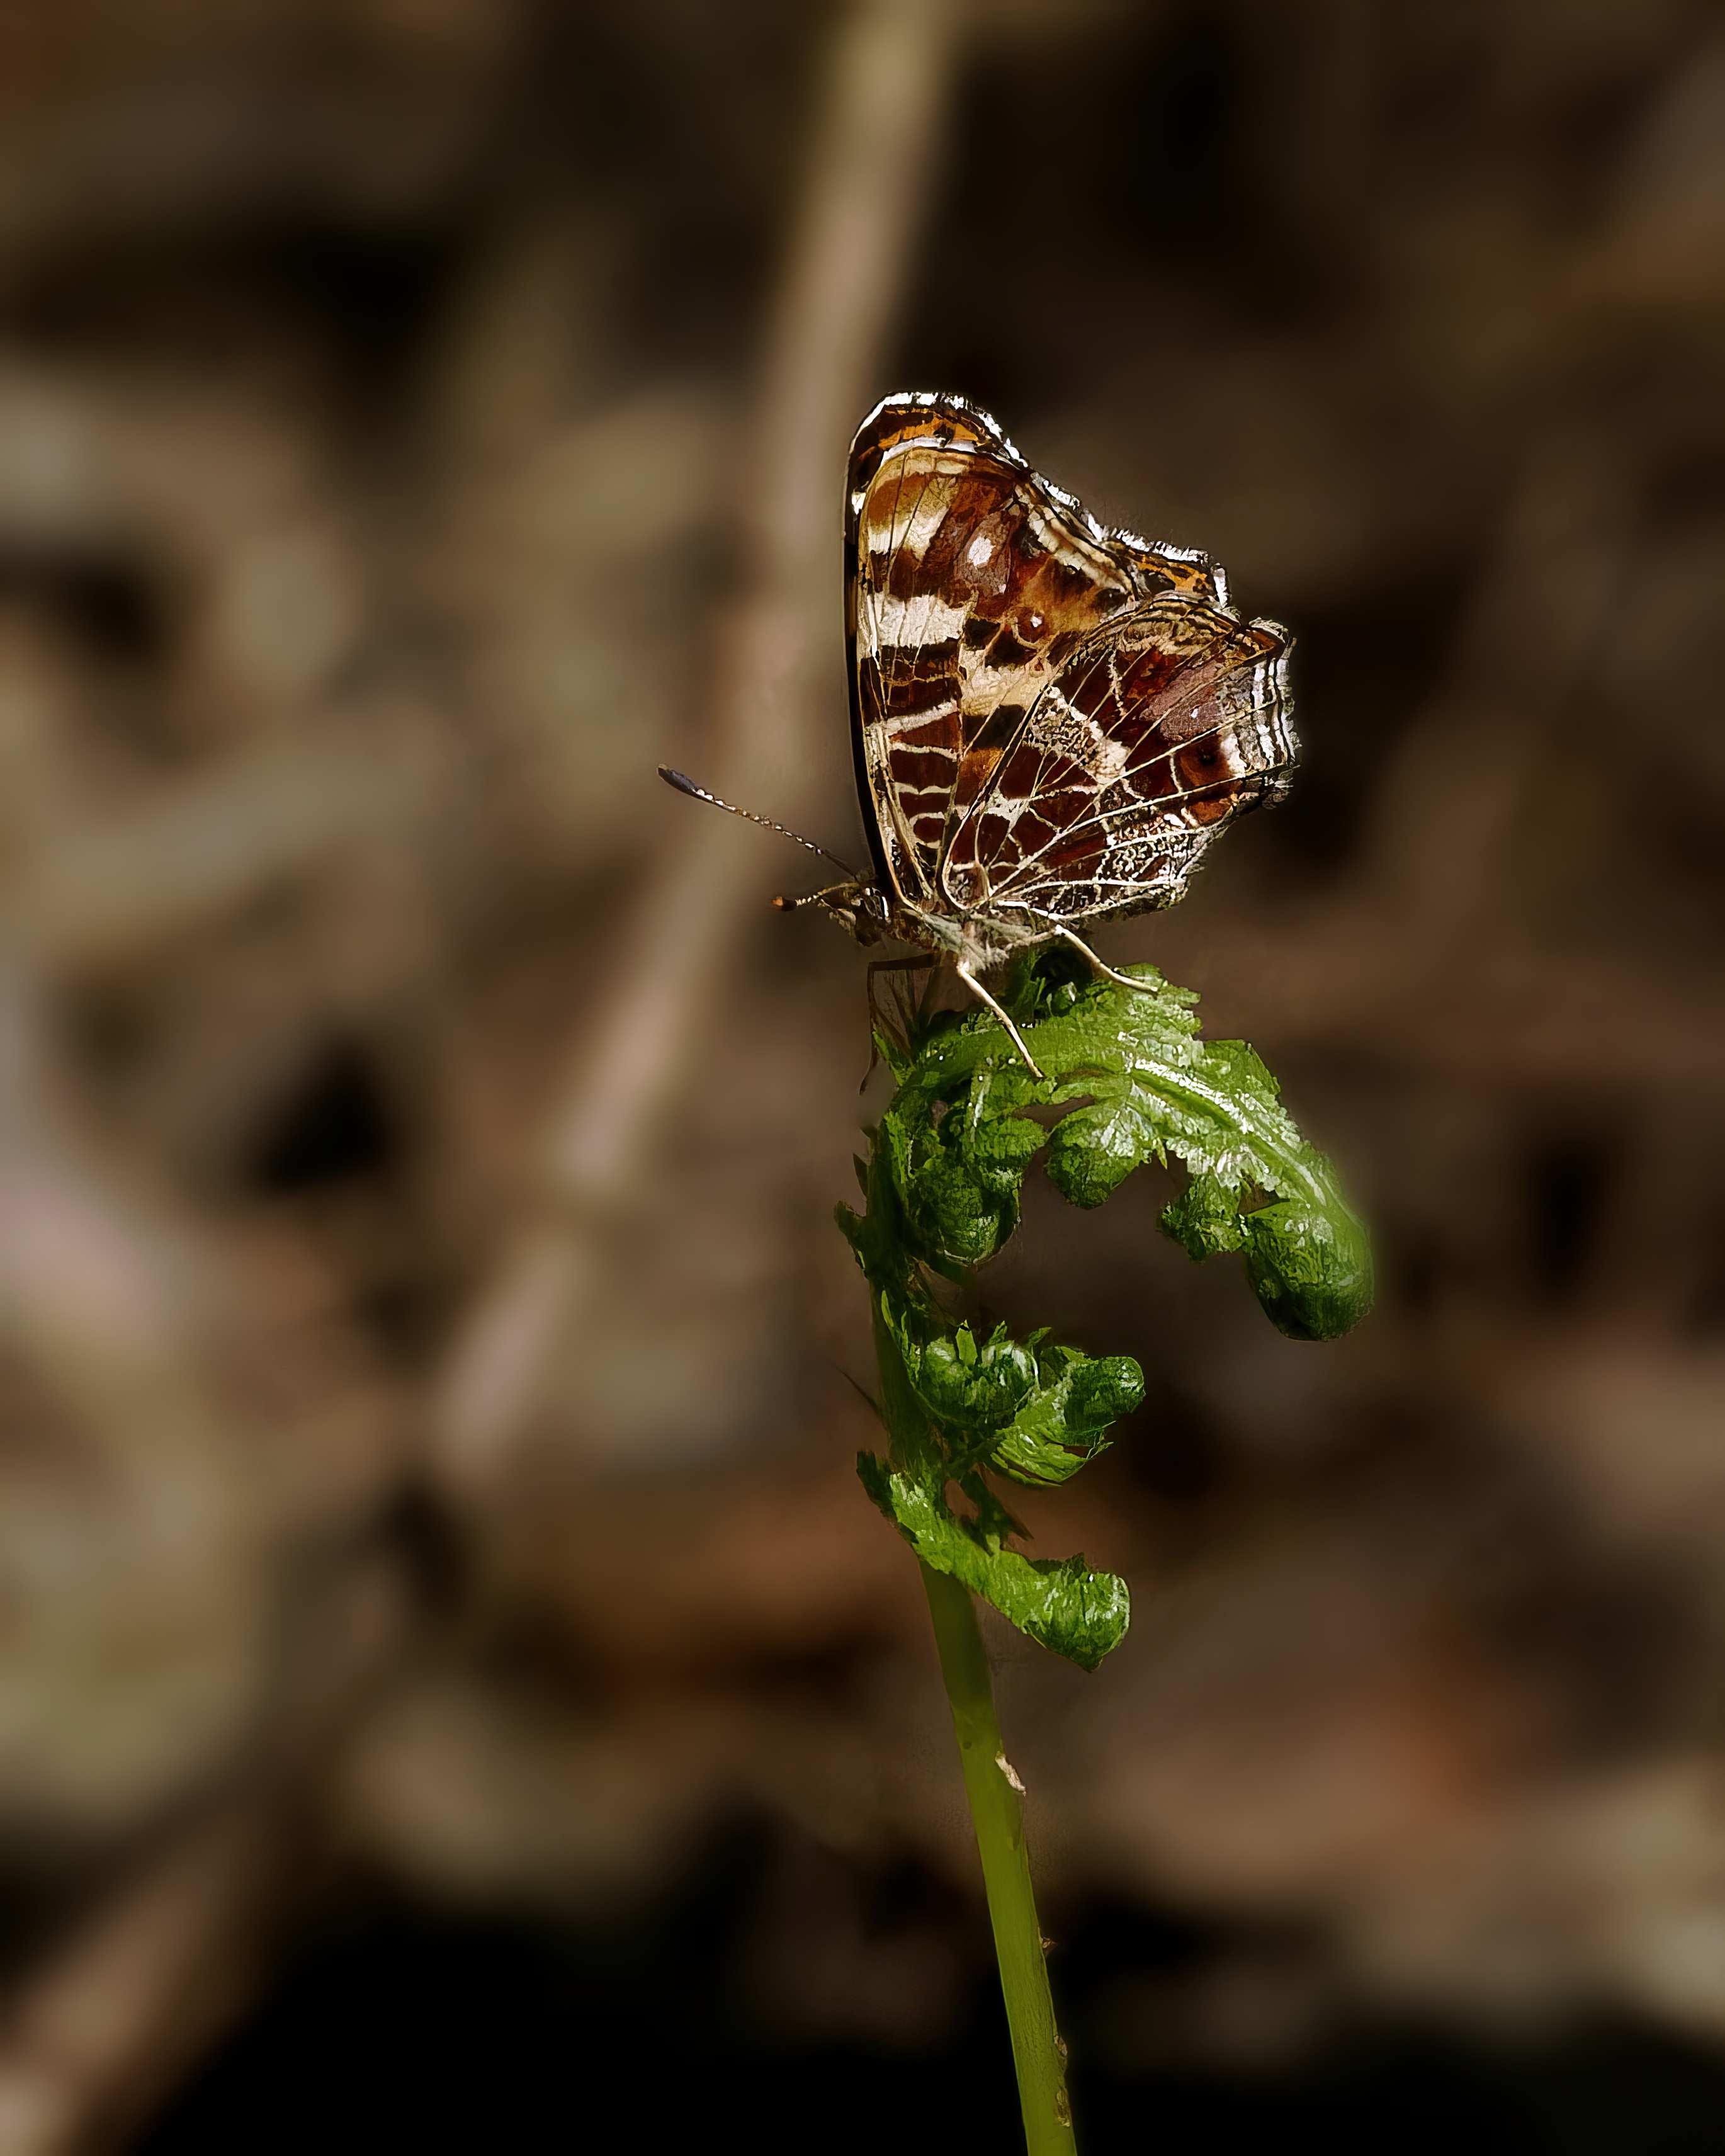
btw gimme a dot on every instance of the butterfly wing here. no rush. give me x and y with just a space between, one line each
1165 726
972 584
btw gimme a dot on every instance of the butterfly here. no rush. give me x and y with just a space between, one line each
1052 722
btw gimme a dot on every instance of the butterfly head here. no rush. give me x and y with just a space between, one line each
859 907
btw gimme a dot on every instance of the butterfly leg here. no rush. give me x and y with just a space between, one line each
982 994
1126 980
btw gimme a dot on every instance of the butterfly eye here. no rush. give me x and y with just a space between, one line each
1029 625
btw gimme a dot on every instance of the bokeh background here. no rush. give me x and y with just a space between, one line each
452 1691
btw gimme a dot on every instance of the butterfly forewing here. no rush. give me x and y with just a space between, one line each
972 583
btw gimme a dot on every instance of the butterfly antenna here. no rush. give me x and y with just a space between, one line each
685 785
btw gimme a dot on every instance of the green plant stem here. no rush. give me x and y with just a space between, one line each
1038 2055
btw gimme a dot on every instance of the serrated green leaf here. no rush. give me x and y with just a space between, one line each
1034 1411
958 1151
1204 1219
1064 1422
975 1386
1311 1270
1139 1087
1059 1603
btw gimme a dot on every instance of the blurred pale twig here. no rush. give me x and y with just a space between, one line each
887 74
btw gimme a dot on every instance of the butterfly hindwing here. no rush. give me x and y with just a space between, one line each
1134 757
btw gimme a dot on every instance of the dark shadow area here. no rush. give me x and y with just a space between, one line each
335 1126
399 2027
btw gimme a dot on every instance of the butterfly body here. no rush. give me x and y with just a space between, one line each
1051 721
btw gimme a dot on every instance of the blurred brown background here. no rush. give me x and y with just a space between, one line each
426 1508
